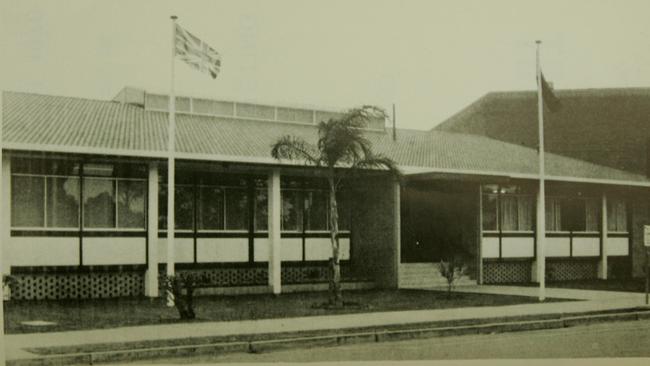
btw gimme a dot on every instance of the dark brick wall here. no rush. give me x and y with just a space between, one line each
640 217
374 252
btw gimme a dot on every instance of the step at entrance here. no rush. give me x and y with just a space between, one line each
419 275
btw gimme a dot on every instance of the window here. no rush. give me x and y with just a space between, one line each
553 214
592 216
261 210
114 203
99 203
490 212
616 215
572 214
210 206
291 210
316 210
131 203
507 209
47 194
236 209
516 213
28 201
62 202
184 207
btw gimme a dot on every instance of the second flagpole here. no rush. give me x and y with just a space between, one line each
541 197
171 170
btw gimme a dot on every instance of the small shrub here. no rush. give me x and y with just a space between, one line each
182 287
452 270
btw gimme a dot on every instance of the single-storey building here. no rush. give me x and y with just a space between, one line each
84 203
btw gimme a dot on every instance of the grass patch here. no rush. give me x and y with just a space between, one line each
625 285
112 313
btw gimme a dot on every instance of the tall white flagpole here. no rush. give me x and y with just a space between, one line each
541 209
171 170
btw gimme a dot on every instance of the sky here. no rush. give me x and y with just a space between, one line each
429 58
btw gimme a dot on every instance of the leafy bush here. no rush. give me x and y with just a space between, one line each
182 287
452 270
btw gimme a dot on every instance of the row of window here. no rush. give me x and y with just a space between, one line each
43 200
228 208
508 209
53 202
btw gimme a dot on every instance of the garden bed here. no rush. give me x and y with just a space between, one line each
113 313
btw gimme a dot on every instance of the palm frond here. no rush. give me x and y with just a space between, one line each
378 162
294 148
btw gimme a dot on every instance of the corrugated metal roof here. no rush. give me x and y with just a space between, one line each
55 123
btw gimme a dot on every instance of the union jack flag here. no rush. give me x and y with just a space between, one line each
197 53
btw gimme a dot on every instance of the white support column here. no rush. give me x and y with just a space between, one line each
602 265
398 232
151 277
6 212
274 217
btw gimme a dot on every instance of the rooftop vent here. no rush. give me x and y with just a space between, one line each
242 110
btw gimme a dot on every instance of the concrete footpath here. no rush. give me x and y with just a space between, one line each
17 346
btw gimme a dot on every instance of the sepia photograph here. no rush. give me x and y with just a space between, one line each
210 182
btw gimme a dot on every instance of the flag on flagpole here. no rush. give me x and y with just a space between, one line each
197 53
551 101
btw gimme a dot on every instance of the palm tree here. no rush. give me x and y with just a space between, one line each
341 149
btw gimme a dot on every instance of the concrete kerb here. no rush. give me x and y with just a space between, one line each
375 335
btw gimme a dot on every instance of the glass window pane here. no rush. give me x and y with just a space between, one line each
27 201
316 210
184 213
63 202
131 203
621 216
162 207
291 211
261 210
210 208
553 214
578 218
509 213
99 203
525 212
489 212
592 207
236 209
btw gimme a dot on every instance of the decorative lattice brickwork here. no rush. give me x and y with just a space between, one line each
77 285
86 285
567 270
506 272
258 276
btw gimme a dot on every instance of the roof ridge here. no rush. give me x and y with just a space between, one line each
56 96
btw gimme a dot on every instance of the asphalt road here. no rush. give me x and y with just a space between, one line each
622 339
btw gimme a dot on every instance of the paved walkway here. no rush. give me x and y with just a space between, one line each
15 345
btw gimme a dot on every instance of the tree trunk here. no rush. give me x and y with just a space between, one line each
336 298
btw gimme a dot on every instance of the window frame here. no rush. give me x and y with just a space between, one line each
45 206
116 198
570 199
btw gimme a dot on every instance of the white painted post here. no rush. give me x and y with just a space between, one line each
6 212
274 217
397 231
602 266
151 277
